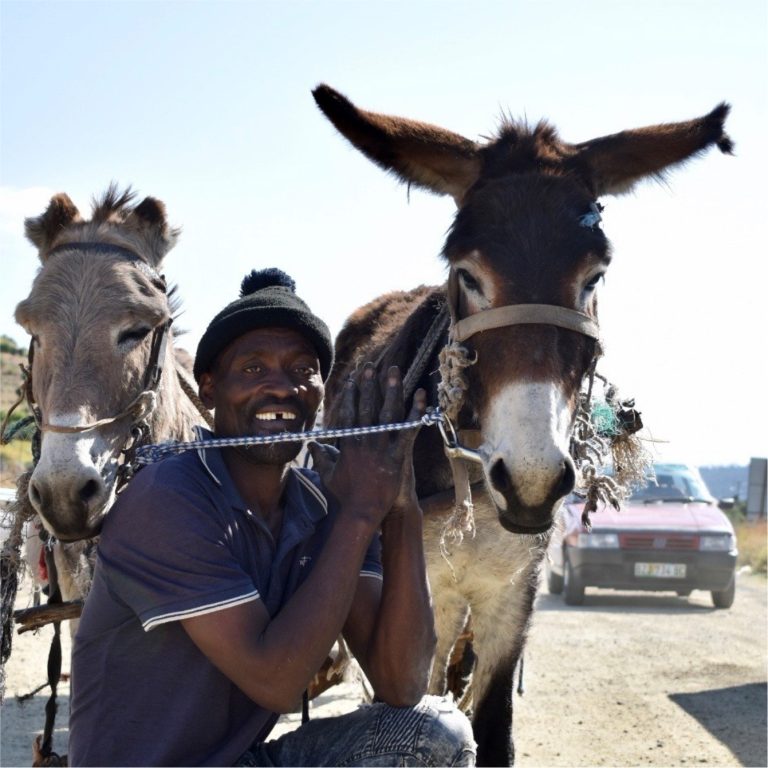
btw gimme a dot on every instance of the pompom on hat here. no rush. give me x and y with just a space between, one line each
267 300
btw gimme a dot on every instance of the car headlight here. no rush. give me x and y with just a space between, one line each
598 541
718 543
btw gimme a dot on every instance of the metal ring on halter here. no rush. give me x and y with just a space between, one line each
452 448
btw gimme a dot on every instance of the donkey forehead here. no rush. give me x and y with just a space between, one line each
526 221
73 286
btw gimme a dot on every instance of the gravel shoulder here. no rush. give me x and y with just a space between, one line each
627 679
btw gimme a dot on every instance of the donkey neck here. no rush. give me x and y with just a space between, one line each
175 415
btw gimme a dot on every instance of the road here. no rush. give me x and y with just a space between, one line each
627 679
639 679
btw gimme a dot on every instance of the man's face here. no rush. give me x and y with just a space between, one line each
266 381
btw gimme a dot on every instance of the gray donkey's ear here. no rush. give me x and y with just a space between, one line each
42 231
149 219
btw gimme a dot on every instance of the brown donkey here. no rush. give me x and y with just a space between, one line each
518 316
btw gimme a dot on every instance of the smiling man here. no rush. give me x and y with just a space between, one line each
224 576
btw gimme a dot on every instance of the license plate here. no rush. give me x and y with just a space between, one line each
661 570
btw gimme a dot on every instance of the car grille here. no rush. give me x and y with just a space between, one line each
662 541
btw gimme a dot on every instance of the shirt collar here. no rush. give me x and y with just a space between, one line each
300 492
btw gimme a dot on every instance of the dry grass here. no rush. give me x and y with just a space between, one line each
15 458
753 545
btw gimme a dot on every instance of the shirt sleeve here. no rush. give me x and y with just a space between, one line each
372 563
168 554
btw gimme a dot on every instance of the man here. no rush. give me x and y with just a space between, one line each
224 576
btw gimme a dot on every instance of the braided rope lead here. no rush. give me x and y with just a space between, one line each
149 454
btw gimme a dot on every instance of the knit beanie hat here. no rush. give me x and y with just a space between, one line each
267 300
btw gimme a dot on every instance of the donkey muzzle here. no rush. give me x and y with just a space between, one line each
528 501
72 484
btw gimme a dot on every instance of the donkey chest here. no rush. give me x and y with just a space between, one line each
482 567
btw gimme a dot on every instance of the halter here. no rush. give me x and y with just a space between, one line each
459 331
521 314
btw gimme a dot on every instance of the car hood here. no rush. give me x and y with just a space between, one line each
692 517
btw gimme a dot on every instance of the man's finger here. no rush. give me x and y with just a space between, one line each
368 402
407 437
393 409
323 457
348 407
419 407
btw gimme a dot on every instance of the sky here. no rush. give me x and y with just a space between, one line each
207 106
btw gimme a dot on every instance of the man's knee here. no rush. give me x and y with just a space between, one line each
446 737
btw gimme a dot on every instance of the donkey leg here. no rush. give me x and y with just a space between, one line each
492 717
500 628
450 616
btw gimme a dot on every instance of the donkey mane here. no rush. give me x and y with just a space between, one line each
369 328
113 205
520 148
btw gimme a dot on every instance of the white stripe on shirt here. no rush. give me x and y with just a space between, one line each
201 610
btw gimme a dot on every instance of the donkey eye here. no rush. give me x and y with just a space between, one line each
132 336
592 284
469 282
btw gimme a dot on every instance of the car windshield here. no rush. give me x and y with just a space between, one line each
673 482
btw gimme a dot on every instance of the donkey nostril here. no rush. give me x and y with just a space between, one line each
500 477
567 479
34 495
89 490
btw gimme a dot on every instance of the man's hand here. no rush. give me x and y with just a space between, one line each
372 474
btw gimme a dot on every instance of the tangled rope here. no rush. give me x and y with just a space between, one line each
451 391
605 428
11 569
454 359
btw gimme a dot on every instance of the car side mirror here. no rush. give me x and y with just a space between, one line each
726 504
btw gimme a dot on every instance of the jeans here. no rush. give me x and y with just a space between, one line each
432 733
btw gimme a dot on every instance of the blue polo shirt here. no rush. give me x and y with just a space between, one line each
180 542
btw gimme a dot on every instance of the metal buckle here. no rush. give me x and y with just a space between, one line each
452 448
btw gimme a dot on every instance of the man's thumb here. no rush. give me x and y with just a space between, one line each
323 457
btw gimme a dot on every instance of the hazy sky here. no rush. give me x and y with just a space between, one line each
207 106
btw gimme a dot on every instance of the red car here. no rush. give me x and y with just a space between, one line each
670 535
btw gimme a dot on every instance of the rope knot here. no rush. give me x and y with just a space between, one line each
453 383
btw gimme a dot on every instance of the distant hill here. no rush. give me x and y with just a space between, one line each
726 481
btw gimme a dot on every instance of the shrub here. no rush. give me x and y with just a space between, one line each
10 347
753 544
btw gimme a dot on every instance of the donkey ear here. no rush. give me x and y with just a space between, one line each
418 153
149 217
615 163
43 230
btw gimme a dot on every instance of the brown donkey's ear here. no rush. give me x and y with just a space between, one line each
149 218
43 230
418 153
615 163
